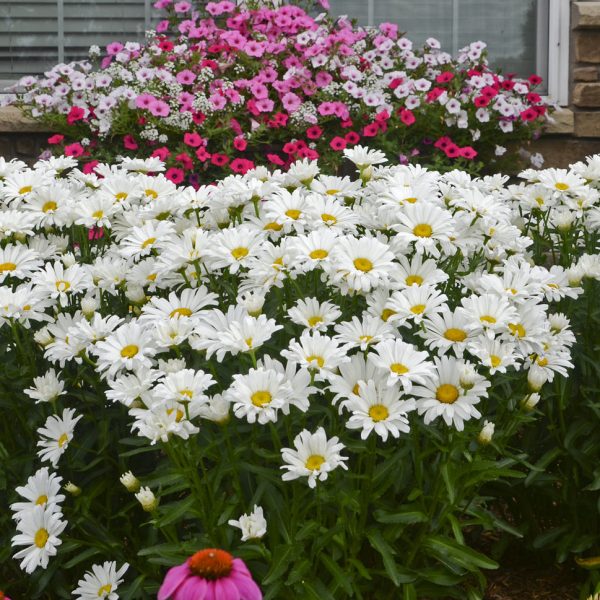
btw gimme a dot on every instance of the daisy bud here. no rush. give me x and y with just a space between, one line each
147 499
43 337
252 302
68 259
575 275
467 376
135 293
530 401
253 525
89 305
20 237
487 432
563 221
217 410
73 489
130 481
172 365
536 378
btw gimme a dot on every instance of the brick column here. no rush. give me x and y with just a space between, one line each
585 20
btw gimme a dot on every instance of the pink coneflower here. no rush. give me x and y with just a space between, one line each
210 573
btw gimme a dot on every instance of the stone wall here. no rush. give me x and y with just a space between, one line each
21 137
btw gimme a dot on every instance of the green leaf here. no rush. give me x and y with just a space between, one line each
283 556
391 568
408 515
174 511
80 557
339 576
409 592
463 556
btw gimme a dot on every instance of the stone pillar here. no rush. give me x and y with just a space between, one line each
585 23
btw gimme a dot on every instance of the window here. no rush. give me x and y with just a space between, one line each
523 36
38 34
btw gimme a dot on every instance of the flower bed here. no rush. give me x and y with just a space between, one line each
331 367
224 88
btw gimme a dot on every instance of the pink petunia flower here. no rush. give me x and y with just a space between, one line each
129 142
175 175
57 138
159 108
74 150
192 139
185 77
210 574
76 113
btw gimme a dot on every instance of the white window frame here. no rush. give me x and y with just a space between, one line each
559 31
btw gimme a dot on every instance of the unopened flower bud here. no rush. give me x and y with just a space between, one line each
147 499
252 302
68 259
530 401
43 337
486 433
73 489
130 481
467 376
89 305
135 293
536 378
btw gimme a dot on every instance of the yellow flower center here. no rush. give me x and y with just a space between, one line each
329 219
62 285
239 252
129 351
386 314
178 414
418 309
379 412
148 242
48 206
363 264
447 393
261 398
313 321
98 214
313 358
455 335
25 189
62 440
121 196
356 390
542 362
540 201
278 263
332 192
293 213
365 338
180 312
151 277
495 360
410 200
105 589
513 291
7 266
559 185
319 254
314 462
248 342
186 392
151 193
398 368
423 230
272 226
487 319
412 279
41 500
517 329
41 537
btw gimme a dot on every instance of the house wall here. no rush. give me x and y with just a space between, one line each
574 134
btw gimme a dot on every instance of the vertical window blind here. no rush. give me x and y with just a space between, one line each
34 35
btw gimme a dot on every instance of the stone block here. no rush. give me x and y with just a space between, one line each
563 122
560 152
12 119
586 15
587 124
27 145
585 74
586 95
587 46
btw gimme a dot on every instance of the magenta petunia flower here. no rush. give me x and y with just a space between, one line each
210 574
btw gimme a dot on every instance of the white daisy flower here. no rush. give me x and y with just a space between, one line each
313 456
42 489
46 388
38 529
378 408
101 582
314 315
253 525
56 434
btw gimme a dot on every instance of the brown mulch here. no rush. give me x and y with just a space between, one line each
556 582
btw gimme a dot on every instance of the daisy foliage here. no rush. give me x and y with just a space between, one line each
327 349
